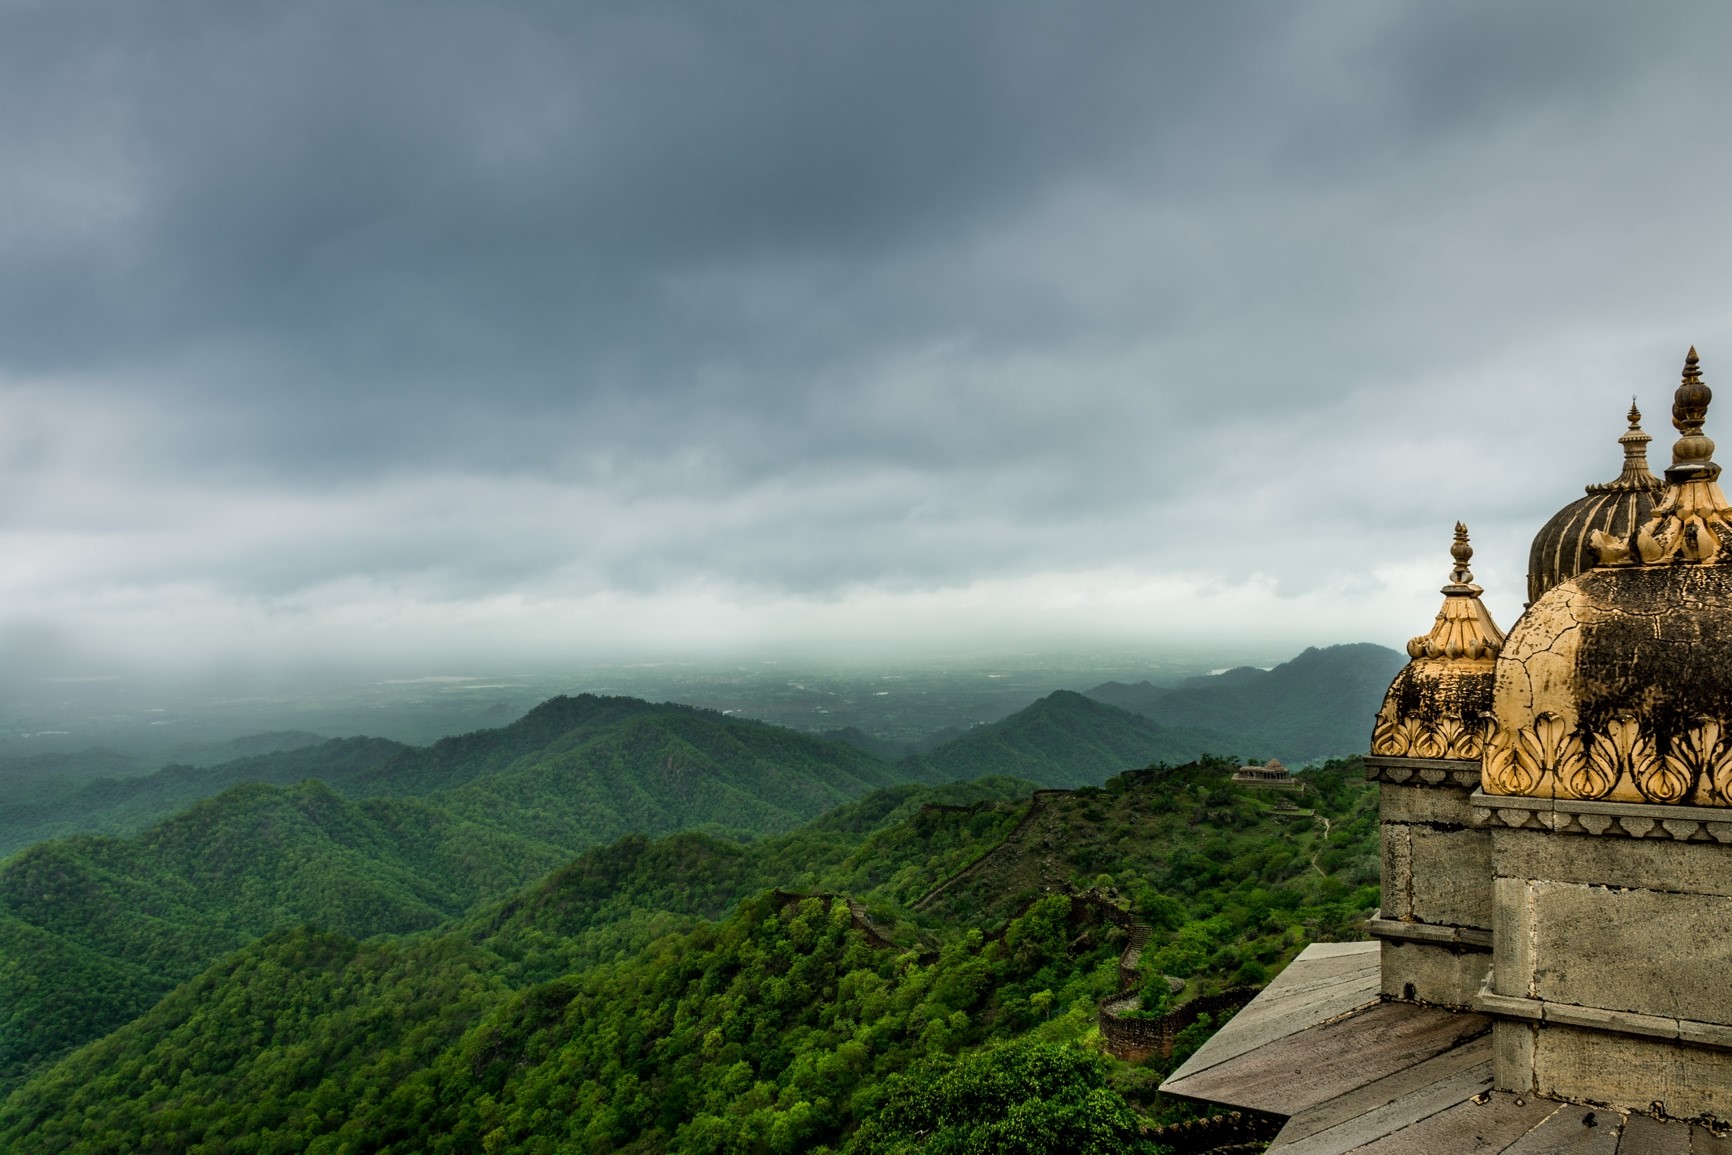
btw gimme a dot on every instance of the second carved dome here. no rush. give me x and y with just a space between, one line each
1560 550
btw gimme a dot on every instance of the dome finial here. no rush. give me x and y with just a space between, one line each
1462 552
1691 522
1636 477
1693 455
1464 628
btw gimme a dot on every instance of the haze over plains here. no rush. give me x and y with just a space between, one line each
423 332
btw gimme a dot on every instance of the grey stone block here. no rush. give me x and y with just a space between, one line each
1397 870
1642 951
1631 1073
1512 1047
1512 939
1442 975
1451 876
1653 864
1445 805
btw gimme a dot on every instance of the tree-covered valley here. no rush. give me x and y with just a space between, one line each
619 926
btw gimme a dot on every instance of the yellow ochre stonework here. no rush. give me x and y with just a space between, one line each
1436 706
1690 521
1614 685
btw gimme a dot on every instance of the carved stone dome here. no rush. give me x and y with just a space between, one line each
1560 550
1439 703
1617 684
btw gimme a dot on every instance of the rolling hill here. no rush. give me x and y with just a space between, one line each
94 928
1067 739
653 995
1319 705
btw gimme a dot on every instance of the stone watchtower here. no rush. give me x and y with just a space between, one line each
1552 964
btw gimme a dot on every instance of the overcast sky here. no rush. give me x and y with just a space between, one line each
433 332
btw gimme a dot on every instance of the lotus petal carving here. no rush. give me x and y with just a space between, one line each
1623 749
1698 754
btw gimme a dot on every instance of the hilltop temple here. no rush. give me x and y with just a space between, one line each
1551 969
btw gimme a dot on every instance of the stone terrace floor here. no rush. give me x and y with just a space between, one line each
1351 1073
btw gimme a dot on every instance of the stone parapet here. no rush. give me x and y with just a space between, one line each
1597 1064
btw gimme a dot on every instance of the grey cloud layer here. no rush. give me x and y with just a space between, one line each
815 298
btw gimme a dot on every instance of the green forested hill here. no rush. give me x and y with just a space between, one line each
1319 705
1066 739
633 1000
93 929
645 755
125 805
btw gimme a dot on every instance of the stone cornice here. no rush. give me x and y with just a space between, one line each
1430 934
1451 772
1689 1031
1614 819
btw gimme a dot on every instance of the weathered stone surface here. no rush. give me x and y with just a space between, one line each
1513 1056
1367 1114
1420 972
1473 1126
1512 942
1451 876
1444 805
1645 951
1647 1136
1653 864
1571 1130
1397 854
1326 980
1615 685
1632 1073
1437 875
1329 1058
1426 932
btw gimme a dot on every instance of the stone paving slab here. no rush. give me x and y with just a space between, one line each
1304 1068
1394 1101
1320 984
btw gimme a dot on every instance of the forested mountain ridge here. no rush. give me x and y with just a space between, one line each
1318 705
604 1007
1066 739
748 755
1310 707
93 929
125 805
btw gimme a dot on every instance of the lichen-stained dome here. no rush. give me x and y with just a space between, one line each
1561 549
1439 702
1617 684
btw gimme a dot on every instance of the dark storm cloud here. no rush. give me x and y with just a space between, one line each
466 299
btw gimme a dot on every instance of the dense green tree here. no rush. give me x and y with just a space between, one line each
660 994
1020 1098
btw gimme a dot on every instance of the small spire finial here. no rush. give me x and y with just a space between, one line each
1693 455
1462 551
1635 478
1463 628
